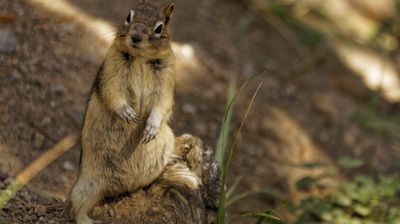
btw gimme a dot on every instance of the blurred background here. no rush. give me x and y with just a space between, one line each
321 143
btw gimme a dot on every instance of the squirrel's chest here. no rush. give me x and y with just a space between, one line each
143 78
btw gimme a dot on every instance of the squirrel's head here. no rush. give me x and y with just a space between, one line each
145 29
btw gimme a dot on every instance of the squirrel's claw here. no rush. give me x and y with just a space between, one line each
150 133
128 114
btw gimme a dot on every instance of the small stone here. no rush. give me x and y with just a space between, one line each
111 212
288 91
53 103
68 28
8 41
56 90
189 108
201 128
45 121
68 166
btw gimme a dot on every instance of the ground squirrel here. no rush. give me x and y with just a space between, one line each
126 141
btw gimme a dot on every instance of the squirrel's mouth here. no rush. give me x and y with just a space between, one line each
136 46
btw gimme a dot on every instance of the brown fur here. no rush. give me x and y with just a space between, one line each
126 140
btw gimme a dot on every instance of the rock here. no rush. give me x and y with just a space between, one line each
187 192
8 41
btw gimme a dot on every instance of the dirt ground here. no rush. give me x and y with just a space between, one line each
302 114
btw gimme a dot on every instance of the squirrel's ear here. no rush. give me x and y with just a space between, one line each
129 19
168 10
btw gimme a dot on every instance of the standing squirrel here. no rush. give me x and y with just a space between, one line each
126 140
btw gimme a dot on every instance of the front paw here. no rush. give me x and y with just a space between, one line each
150 132
128 114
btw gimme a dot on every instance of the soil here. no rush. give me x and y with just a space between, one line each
303 113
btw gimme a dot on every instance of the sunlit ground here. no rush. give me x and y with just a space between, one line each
350 26
377 72
103 29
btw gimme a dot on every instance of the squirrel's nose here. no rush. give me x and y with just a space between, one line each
136 38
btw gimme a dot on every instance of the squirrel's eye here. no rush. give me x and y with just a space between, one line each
158 28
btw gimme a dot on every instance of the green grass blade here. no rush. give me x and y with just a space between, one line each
221 207
226 123
222 198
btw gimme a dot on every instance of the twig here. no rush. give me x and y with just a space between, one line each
34 168
8 18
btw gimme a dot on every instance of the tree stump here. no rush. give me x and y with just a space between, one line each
186 192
